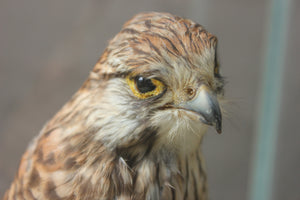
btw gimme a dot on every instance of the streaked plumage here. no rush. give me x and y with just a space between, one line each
134 129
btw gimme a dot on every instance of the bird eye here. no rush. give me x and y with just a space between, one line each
143 87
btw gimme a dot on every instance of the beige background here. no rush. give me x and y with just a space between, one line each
47 49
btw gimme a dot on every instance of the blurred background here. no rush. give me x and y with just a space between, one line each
47 49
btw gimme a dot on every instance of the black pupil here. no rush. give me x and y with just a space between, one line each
144 85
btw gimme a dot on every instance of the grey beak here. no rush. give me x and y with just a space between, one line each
205 103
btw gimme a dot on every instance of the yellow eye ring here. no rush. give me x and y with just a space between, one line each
144 88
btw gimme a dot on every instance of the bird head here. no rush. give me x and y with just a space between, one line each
157 85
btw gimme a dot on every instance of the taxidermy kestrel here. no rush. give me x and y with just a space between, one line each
134 129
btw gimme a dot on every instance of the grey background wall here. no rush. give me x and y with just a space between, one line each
47 49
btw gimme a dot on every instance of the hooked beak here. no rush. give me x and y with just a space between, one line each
205 103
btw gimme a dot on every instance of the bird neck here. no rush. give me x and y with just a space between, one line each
170 176
144 168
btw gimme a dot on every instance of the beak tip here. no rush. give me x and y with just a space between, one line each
218 126
219 131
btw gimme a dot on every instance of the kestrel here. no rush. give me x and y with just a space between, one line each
133 130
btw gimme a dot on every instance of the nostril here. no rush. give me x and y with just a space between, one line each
190 92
